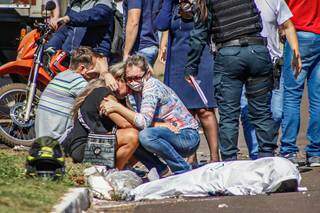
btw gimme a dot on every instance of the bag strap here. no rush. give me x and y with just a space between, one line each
86 126
82 122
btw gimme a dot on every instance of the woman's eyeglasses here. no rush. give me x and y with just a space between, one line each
134 78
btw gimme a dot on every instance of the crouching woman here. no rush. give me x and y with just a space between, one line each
168 130
88 119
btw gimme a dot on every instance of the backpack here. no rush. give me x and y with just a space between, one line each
45 159
118 35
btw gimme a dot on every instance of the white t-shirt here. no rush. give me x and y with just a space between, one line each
273 14
119 6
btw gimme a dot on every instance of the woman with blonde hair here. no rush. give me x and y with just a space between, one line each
88 119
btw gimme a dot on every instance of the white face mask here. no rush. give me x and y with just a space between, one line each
136 86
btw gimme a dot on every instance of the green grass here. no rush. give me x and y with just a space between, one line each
21 194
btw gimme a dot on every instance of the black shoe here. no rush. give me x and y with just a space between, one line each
313 161
292 157
265 154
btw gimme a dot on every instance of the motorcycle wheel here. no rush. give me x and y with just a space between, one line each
13 129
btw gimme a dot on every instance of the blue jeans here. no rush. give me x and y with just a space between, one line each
150 53
149 160
234 67
309 44
171 147
248 130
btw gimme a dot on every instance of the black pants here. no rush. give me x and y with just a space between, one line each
235 66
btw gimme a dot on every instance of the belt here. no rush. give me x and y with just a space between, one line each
243 42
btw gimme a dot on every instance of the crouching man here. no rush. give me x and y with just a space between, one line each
53 116
168 130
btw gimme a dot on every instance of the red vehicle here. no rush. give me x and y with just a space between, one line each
18 101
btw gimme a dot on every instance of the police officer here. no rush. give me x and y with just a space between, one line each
242 58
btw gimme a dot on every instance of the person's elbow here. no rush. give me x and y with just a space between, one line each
161 25
142 122
288 25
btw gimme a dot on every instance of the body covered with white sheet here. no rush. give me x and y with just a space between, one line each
227 178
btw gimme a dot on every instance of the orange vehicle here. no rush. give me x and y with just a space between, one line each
18 101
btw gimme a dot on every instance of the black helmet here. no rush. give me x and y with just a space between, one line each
45 159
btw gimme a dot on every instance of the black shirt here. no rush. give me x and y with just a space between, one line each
90 115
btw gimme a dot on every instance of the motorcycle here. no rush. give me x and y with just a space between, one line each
18 101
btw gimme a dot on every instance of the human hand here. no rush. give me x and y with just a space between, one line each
110 97
91 74
162 55
111 82
101 64
296 63
125 56
188 79
64 19
54 23
214 158
108 106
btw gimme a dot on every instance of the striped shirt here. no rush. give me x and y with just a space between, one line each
159 103
53 115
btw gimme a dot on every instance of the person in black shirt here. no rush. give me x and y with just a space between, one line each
88 118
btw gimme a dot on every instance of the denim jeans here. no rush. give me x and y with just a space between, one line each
234 67
150 53
149 160
171 147
248 129
309 45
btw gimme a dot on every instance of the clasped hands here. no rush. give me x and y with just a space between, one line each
108 106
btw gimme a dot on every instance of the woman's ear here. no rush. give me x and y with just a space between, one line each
81 69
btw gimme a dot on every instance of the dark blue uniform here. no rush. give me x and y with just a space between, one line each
177 55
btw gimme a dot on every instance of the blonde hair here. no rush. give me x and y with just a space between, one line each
117 71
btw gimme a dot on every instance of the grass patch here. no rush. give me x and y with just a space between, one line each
21 194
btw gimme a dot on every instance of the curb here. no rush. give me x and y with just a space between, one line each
76 200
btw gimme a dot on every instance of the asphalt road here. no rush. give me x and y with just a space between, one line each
297 202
